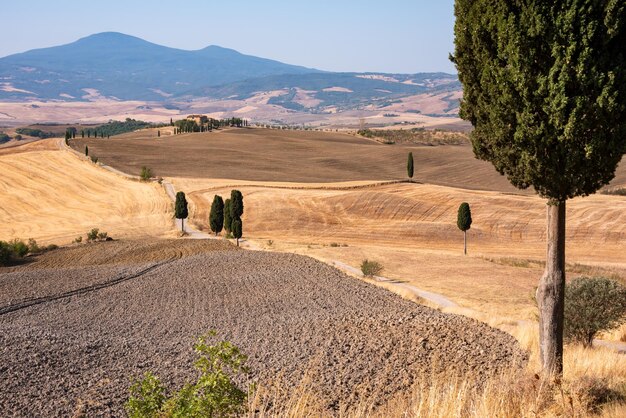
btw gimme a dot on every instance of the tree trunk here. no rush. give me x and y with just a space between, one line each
551 293
237 242
182 225
464 242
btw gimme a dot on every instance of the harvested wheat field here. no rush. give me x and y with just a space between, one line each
290 314
52 195
270 155
411 228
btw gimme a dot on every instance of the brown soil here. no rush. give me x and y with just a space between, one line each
289 313
291 156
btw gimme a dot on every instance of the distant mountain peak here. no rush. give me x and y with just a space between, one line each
125 67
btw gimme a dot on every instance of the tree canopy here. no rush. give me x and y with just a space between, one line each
216 217
464 217
544 85
180 207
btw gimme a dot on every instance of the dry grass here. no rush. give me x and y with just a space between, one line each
52 196
594 383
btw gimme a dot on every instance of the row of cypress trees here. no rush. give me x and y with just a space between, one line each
227 215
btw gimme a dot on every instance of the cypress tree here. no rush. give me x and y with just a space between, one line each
180 209
159 134
236 204
86 151
544 85
237 229
216 217
409 166
82 133
464 222
228 220
88 133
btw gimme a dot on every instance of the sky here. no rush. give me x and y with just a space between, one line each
407 36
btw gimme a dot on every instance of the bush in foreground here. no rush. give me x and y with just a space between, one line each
371 268
593 304
215 394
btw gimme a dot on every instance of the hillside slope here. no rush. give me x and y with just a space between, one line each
52 196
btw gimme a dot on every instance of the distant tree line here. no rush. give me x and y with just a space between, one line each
117 127
37 133
206 124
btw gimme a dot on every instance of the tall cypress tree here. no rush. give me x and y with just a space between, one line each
236 204
464 222
180 209
216 217
544 85
86 151
237 229
228 220
409 166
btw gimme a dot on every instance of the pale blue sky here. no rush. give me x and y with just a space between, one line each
404 36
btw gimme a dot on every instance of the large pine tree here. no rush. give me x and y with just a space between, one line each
544 85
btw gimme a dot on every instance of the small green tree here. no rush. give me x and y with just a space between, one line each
86 151
409 166
216 217
228 220
464 222
180 209
159 134
592 304
237 229
82 133
146 173
215 394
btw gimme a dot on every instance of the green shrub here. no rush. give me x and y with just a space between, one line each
78 240
102 236
51 247
6 253
93 234
371 268
145 174
33 247
215 394
19 248
94 159
592 304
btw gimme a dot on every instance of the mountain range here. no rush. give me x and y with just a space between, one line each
121 67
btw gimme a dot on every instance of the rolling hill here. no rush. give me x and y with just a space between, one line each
120 67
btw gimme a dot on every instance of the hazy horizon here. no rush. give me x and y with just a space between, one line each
402 37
